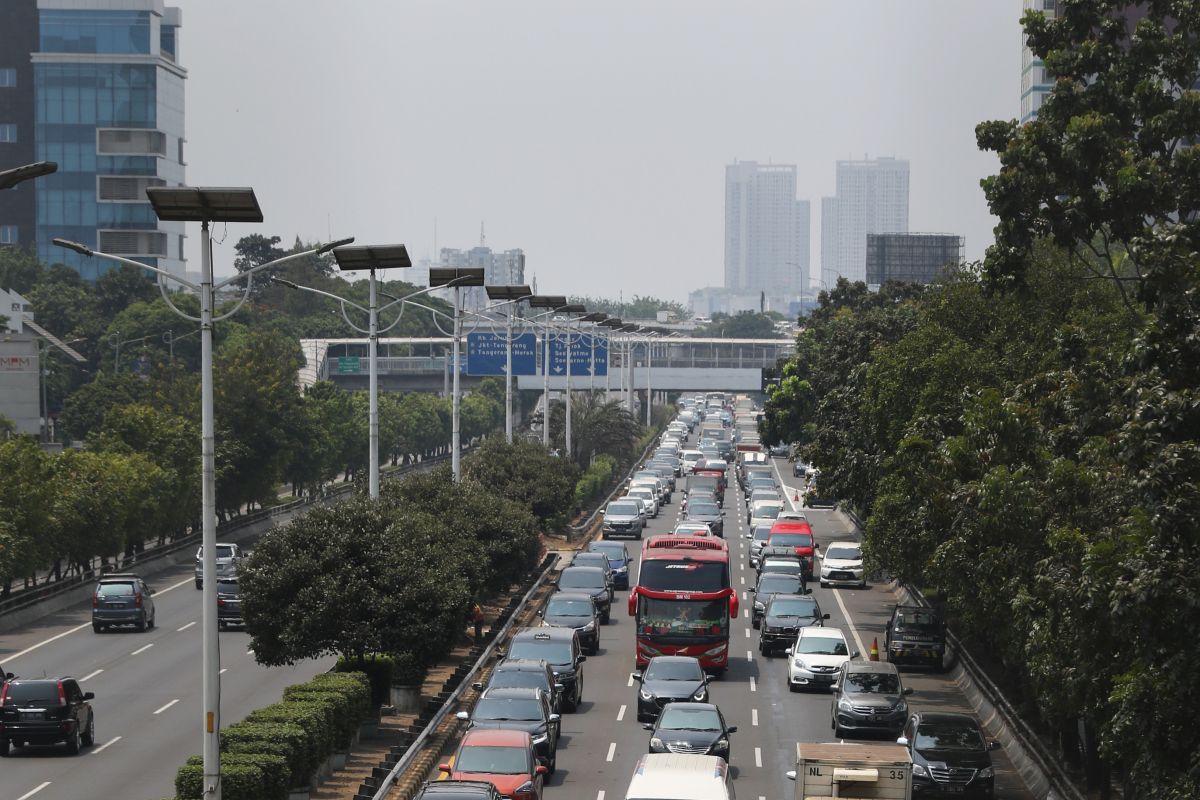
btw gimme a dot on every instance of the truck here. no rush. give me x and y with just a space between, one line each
915 635
852 772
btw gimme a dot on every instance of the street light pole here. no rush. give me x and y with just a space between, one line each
458 277
511 295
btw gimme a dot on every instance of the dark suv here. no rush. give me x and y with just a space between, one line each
949 755
229 603
45 711
122 599
915 634
524 673
558 647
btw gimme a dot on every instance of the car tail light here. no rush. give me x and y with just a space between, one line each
220 601
95 601
3 694
62 694
137 600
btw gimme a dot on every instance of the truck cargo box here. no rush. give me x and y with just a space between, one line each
852 771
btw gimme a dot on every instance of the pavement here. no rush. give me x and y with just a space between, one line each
601 743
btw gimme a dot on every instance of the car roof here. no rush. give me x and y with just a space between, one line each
674 659
586 553
873 666
461 788
573 595
521 665
496 737
581 569
511 694
548 633
823 633
845 544
695 706
789 596
943 717
120 576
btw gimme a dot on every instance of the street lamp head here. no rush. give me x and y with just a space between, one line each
283 282
456 276
595 316
508 292
574 308
325 248
82 249
613 322
9 178
376 256
204 204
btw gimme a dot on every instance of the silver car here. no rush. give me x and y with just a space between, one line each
228 558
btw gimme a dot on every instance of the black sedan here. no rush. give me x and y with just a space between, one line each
696 728
575 610
949 754
669 679
783 618
519 710
593 581
701 511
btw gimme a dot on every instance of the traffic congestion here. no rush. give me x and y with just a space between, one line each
747 643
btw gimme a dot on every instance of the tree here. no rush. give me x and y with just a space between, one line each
26 496
743 325
526 473
86 408
19 270
598 426
119 287
637 308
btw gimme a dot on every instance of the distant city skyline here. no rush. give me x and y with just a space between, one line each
871 197
766 229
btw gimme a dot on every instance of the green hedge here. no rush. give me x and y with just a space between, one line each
595 480
287 740
342 719
316 720
378 670
239 781
275 777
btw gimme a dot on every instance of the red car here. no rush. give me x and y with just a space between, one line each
503 758
796 534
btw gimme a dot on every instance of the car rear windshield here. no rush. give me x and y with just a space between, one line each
581 578
791 540
518 679
115 590
563 607
844 553
614 550
621 510
548 650
503 708
703 510
496 760
32 693
762 533
778 583
766 511
873 683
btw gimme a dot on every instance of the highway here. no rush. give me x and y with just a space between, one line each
601 744
148 706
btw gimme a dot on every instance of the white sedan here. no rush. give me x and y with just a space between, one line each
814 660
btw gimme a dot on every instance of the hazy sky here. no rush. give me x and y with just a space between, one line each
592 135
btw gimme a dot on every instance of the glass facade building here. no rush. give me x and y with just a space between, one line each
108 107
911 257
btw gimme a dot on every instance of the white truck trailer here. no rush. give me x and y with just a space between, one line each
852 772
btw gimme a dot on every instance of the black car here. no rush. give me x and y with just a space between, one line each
526 710
586 558
524 673
560 648
703 511
949 755
618 560
783 559
45 711
592 580
783 618
229 603
915 635
458 790
696 728
669 679
770 583
575 610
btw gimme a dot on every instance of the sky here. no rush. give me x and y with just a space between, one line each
593 136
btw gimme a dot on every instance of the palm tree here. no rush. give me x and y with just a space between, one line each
598 425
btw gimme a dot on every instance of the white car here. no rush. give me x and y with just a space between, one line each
798 516
649 495
764 512
656 485
816 657
842 564
689 459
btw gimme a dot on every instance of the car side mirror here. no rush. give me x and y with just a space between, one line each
499 651
541 613
463 715
555 717
580 659
823 616
902 741
151 591
752 590
731 729
908 690
477 686
444 768
993 744
558 687
8 676
787 652
648 726
542 769
637 676
808 590
89 695
854 654
791 774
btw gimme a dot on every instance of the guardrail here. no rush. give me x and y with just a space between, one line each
414 748
27 598
580 529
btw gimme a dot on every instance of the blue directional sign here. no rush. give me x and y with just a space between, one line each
487 354
581 356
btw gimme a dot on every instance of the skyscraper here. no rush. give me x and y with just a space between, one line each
1036 81
872 197
95 86
505 268
766 229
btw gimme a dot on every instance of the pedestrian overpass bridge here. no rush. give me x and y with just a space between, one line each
665 364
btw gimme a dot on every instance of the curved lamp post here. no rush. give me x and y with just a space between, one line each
206 206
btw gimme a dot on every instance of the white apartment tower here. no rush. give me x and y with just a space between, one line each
871 197
766 229
1036 81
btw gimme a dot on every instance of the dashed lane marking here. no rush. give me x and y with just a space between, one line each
168 705
29 794
747 630
758 757
612 751
753 684
749 655
142 649
630 681
90 675
754 717
185 627
106 745
862 651
621 713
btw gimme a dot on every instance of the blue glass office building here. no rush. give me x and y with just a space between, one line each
108 106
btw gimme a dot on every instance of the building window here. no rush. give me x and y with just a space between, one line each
134 243
8 77
129 141
8 132
119 189
8 234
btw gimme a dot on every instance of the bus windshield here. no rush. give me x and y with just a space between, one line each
690 618
684 576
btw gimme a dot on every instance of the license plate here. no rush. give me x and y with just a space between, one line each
952 789
32 715
114 605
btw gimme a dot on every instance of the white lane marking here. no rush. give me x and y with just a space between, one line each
862 651
174 586
758 757
142 649
747 632
630 682
621 713
612 750
38 789
600 795
749 655
106 745
744 595
746 613
31 648
223 671
753 684
743 579
90 675
168 705
754 717
185 627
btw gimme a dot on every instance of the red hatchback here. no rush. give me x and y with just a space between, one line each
796 534
503 758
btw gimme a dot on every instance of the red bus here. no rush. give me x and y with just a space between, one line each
683 600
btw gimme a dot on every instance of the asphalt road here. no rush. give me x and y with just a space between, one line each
601 744
148 705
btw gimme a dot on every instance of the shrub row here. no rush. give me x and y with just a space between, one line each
281 746
595 480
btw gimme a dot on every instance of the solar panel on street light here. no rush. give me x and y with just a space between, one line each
204 204
459 276
372 256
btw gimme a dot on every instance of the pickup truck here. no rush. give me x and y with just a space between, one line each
915 635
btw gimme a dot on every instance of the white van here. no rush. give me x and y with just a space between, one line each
674 776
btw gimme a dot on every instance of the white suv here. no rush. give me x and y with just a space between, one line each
816 657
842 564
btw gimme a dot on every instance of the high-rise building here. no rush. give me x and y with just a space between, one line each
505 268
94 85
1036 81
872 197
766 229
911 257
